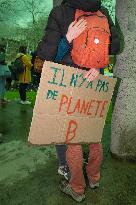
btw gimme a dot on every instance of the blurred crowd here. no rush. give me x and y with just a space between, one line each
18 75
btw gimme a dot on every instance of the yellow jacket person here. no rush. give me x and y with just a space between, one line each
25 77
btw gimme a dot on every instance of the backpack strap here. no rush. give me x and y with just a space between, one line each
79 14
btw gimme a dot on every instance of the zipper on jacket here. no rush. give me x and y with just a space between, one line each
86 39
87 15
24 74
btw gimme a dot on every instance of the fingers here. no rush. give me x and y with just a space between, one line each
79 27
76 23
72 24
81 30
83 24
91 74
87 73
92 71
91 78
81 21
75 29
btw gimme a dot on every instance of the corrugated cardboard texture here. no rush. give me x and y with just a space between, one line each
68 109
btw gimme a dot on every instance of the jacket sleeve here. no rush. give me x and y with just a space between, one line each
27 61
115 44
63 48
47 48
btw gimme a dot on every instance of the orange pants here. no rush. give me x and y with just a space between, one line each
75 164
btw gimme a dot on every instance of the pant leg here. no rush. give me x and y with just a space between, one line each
102 71
61 154
22 91
75 163
94 162
2 87
8 83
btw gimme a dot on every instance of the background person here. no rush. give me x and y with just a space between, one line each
74 30
25 77
4 73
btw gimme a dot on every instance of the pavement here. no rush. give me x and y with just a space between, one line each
28 174
17 158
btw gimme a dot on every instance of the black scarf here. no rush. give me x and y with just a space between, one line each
85 5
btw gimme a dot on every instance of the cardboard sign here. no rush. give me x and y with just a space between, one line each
68 108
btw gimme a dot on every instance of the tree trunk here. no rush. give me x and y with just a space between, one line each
123 135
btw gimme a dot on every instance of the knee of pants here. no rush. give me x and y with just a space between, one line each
96 151
74 155
75 150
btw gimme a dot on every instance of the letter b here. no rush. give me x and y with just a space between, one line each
71 130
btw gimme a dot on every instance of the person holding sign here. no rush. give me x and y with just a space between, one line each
74 30
88 51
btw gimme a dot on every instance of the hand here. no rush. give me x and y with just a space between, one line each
38 65
92 74
75 29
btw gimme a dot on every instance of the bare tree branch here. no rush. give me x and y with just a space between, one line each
7 8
